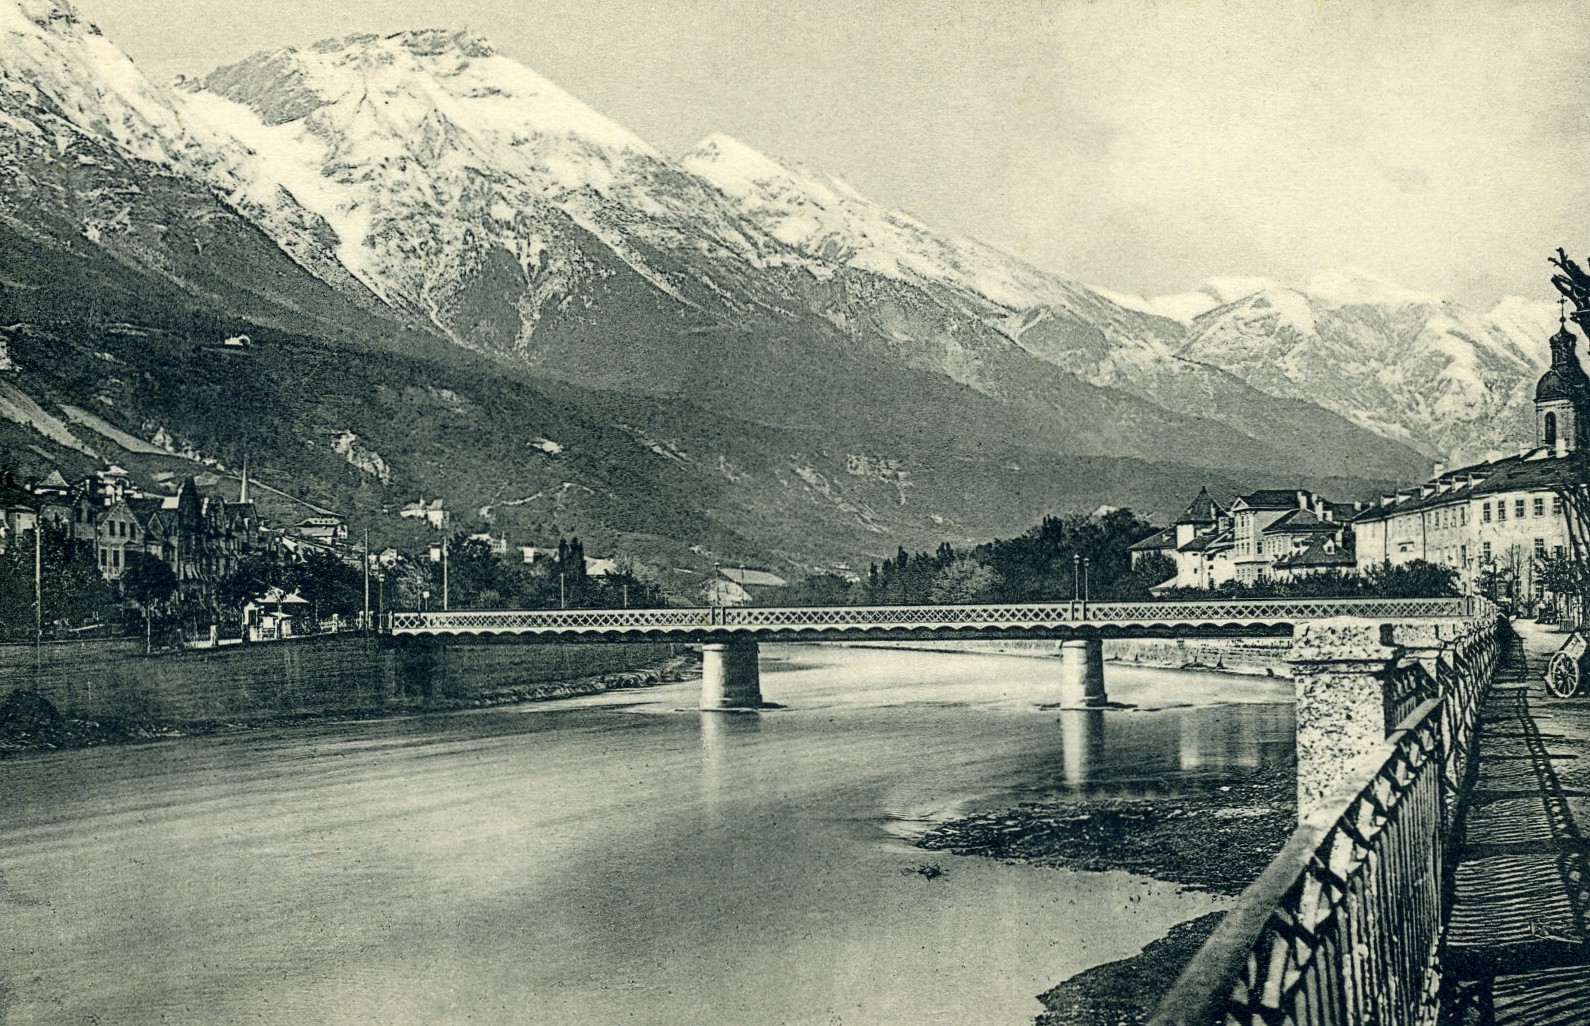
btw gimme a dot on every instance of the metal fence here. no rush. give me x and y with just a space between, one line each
751 620
1345 926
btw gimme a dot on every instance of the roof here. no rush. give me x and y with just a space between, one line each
1205 542
1537 470
1566 377
1270 498
1316 556
1301 521
1202 510
1156 542
754 578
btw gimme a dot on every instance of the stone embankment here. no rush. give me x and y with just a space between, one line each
107 691
1259 657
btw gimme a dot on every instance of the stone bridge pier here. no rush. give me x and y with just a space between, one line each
731 679
1082 674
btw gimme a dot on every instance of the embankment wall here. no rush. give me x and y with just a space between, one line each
329 673
1255 656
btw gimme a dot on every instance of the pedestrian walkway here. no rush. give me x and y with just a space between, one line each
1518 943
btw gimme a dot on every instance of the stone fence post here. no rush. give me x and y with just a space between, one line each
1344 677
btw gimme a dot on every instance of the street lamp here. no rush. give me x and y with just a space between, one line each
425 601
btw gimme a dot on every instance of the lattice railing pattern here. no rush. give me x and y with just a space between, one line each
1345 925
847 619
1354 939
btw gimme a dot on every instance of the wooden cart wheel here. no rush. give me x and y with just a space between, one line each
1562 676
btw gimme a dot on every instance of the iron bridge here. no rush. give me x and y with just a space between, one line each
1041 620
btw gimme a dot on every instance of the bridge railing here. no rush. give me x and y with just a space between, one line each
982 614
1345 925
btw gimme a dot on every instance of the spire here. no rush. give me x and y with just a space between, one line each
242 494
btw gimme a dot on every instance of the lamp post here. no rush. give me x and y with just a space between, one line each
1084 587
38 599
366 578
1076 577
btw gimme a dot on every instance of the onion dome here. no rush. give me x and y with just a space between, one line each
1566 379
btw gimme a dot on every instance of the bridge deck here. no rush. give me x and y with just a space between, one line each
1060 620
1518 943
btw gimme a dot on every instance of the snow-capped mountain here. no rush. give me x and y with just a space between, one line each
1455 383
420 192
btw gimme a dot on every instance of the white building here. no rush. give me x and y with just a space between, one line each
1502 515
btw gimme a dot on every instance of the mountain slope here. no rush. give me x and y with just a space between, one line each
1454 383
444 262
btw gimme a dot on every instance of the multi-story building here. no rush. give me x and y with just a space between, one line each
1271 529
1499 517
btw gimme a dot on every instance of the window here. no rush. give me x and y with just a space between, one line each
1556 505
1556 550
1550 429
1540 507
1540 548
1501 511
1485 513
1485 552
1518 509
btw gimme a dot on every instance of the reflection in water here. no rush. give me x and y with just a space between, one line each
1082 740
725 741
602 860
1220 739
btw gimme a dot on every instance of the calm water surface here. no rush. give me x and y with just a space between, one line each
619 859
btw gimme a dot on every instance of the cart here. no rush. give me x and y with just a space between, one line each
1568 668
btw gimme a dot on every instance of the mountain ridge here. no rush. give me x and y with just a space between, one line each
420 200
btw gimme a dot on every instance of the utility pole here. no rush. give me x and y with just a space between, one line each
367 578
563 598
445 601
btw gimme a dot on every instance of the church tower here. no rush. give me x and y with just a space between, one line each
1562 399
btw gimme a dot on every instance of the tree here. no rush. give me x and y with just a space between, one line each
149 582
962 579
1153 569
1573 490
330 583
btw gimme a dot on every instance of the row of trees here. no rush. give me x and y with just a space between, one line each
1059 559
1074 557
474 577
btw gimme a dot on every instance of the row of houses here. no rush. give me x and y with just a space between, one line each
198 530
1270 534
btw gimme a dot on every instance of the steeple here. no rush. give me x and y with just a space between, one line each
1562 398
242 493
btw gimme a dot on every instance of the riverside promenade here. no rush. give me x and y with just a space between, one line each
1518 941
1442 876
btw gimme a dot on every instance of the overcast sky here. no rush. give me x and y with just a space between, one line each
1138 145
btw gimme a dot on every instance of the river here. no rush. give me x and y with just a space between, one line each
614 859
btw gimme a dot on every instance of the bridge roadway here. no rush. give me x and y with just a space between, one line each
729 635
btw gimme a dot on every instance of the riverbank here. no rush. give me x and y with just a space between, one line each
1248 657
1218 838
30 722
